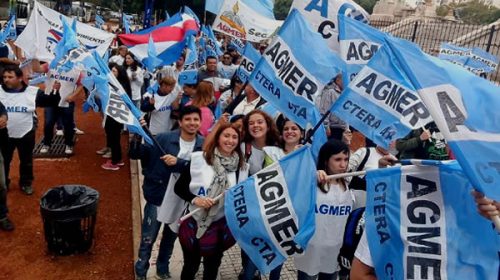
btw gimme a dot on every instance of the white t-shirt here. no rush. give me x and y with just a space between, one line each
160 121
185 148
227 70
136 83
363 251
358 156
118 59
21 108
332 210
68 80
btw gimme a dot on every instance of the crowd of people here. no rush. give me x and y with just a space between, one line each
201 154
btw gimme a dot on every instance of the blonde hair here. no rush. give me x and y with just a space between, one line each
169 81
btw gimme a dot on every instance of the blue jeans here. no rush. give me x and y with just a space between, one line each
150 228
249 269
321 276
52 114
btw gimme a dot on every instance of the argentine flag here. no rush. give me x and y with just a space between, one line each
381 102
250 57
358 43
291 77
465 109
422 223
271 214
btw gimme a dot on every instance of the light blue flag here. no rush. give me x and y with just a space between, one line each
419 219
213 6
482 61
454 54
291 77
99 21
192 51
271 214
188 77
11 32
237 44
211 46
465 109
358 43
249 58
269 109
126 22
68 42
263 7
5 32
152 61
381 102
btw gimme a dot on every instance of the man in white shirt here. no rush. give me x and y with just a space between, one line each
245 102
226 66
120 57
159 106
20 102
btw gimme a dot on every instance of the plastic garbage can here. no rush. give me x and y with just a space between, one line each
69 217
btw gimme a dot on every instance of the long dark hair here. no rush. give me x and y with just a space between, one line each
134 64
122 78
330 148
272 135
212 144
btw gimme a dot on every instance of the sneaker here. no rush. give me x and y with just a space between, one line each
137 277
78 131
107 155
108 165
121 163
28 190
103 151
163 276
6 224
44 149
68 150
59 132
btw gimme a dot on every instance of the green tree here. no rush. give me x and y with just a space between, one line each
477 12
367 4
282 8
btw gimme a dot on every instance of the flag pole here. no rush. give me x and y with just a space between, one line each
496 222
217 198
155 142
311 132
188 215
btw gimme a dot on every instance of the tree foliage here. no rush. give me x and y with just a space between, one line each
281 8
368 5
476 12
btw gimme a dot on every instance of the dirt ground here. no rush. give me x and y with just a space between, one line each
23 252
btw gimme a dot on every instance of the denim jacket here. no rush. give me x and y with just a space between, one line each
156 172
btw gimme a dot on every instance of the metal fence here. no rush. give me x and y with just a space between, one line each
429 34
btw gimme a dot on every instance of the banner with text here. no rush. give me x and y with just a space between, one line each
419 219
271 214
238 20
44 31
322 15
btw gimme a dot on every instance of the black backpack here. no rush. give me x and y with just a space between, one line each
353 231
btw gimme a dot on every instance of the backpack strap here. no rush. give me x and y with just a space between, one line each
365 159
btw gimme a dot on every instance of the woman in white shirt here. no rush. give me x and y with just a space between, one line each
136 76
334 203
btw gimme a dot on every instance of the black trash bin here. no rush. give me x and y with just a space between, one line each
69 216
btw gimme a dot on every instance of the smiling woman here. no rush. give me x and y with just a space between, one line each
211 172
